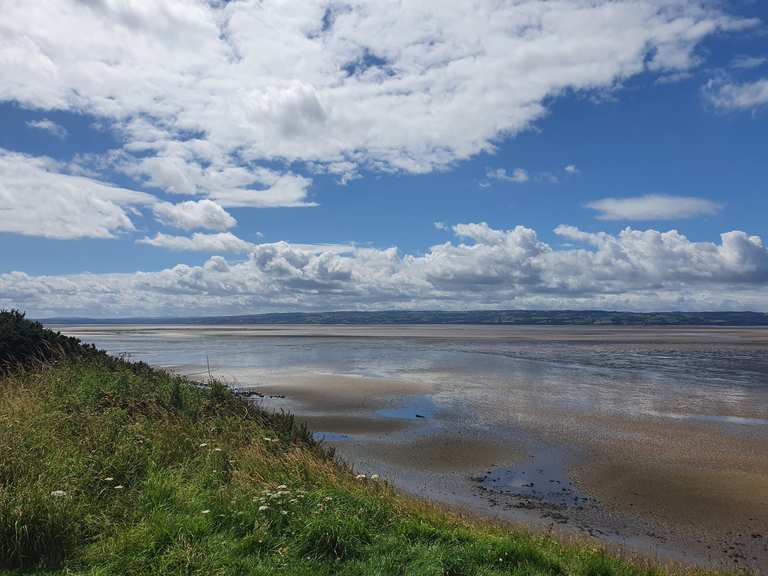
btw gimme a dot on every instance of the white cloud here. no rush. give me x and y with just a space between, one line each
286 190
571 169
228 242
199 242
49 126
673 77
180 171
636 269
205 94
518 175
746 62
190 215
441 226
729 96
653 207
38 198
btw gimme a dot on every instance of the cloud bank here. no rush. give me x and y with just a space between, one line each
482 268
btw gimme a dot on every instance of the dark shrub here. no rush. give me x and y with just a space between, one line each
24 342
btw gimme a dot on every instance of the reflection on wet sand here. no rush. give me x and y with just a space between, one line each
345 425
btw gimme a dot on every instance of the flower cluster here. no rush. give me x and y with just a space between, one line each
280 500
363 477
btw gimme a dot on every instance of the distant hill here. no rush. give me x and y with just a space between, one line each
509 317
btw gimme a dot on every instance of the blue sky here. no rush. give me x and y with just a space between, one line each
542 163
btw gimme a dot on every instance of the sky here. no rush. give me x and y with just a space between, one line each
190 157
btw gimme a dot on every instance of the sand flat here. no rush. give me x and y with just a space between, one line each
679 472
750 336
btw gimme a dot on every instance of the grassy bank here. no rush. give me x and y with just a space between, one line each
108 467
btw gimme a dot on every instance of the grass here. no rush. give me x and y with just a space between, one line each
109 467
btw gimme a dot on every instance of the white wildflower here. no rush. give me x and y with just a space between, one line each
206 512
374 477
282 487
361 477
204 444
58 493
217 450
263 508
119 487
108 479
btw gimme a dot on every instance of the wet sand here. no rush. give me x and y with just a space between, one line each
653 439
443 453
679 489
338 392
696 484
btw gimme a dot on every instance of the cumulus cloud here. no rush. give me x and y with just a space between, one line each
204 92
653 207
482 268
734 96
571 169
37 198
180 171
49 126
191 215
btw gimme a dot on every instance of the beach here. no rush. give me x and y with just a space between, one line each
651 440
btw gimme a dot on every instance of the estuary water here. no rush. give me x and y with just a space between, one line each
654 440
